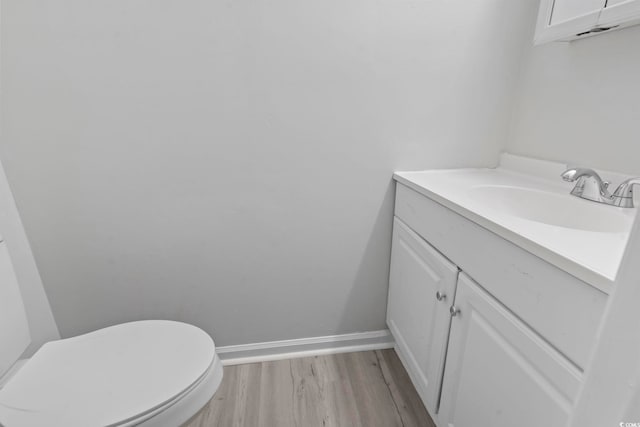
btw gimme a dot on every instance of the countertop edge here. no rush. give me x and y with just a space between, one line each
590 277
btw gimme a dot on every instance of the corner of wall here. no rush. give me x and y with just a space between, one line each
41 321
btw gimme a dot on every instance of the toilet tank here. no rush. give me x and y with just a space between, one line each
14 327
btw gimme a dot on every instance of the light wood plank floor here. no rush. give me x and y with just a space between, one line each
367 389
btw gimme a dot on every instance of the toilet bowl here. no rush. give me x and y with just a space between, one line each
152 373
148 373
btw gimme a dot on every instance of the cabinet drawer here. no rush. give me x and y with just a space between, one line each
561 308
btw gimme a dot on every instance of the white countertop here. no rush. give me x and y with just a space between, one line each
592 256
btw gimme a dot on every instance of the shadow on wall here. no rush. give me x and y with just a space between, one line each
370 286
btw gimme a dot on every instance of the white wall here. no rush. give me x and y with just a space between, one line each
228 163
42 325
580 102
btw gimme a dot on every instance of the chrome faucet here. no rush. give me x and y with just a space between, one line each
591 187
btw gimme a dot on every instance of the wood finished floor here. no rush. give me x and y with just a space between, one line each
368 389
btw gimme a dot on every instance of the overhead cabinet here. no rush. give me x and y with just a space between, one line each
567 10
621 13
566 20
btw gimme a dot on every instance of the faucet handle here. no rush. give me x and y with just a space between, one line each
623 196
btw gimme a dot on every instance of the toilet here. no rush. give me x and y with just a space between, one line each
152 373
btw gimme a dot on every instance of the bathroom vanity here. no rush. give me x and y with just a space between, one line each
498 283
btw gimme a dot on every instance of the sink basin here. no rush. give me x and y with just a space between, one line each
553 209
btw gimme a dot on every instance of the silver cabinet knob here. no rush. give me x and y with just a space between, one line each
440 296
454 311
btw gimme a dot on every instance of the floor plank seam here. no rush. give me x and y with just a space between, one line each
293 395
386 382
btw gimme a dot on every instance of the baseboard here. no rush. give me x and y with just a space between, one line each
305 347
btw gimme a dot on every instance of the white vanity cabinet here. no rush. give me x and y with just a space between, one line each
507 344
421 288
567 20
499 373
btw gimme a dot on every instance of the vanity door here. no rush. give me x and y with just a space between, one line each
421 288
500 373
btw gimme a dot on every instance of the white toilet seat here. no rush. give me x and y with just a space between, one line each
124 375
